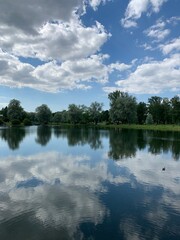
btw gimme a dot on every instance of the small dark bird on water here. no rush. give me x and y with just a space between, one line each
163 169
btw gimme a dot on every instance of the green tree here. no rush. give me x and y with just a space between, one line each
57 118
175 105
149 119
43 114
95 110
15 112
32 117
141 112
166 111
75 113
3 112
65 116
85 118
155 108
104 116
123 107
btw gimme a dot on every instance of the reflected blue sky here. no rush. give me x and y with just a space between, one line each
81 192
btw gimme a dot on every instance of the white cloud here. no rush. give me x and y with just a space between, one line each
95 3
58 40
72 74
54 77
174 20
173 45
146 46
136 8
158 31
55 35
156 4
152 78
29 17
120 66
13 72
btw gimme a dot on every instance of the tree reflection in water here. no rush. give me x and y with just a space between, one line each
81 136
123 143
43 135
13 136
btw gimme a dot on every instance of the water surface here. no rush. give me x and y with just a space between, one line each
79 183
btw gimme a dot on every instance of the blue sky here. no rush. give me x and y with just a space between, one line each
61 52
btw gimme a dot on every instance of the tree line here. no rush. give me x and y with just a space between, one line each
124 109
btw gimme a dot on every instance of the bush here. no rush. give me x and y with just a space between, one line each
15 122
27 122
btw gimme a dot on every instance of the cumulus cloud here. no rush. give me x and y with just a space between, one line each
136 8
28 17
72 74
13 72
53 76
173 45
60 41
120 66
152 78
55 35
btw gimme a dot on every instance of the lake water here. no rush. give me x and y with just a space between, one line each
79 183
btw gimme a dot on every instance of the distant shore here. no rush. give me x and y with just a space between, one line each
154 127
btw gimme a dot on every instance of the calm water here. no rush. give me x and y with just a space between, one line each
89 184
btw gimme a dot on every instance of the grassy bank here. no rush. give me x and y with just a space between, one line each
168 127
160 127
163 127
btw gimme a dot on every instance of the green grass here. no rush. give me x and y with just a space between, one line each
160 127
155 127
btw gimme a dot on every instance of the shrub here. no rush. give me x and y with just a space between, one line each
15 122
27 122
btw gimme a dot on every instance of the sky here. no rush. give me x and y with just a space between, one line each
61 52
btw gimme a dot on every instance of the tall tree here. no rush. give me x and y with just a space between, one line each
95 110
141 112
43 114
14 111
104 116
155 108
75 113
166 111
57 118
3 112
175 104
123 107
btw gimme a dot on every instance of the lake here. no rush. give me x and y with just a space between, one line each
80 183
